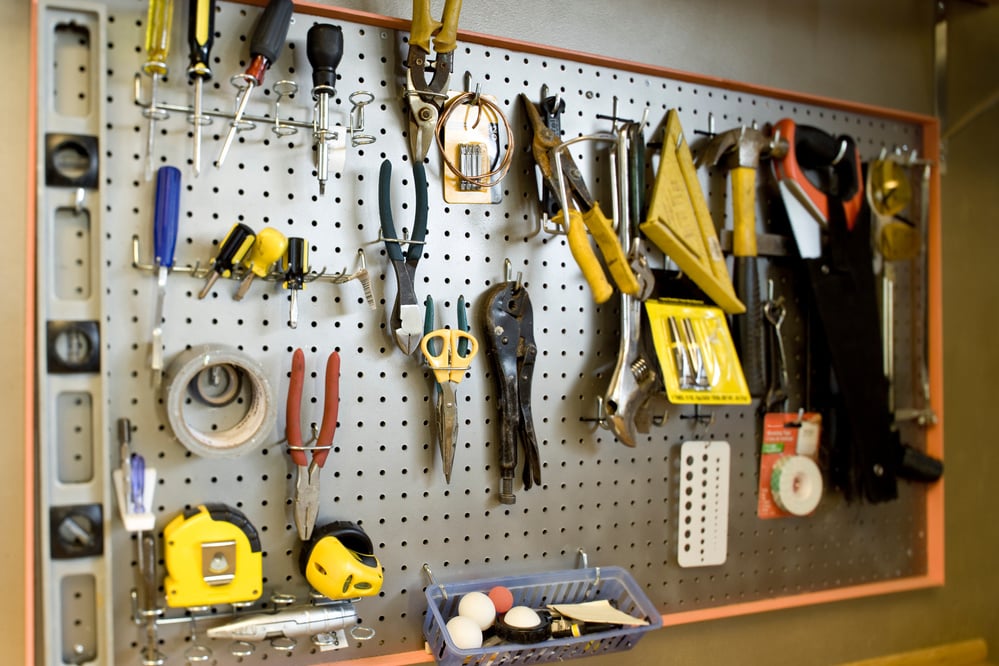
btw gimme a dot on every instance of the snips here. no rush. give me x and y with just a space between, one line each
306 500
508 319
405 318
449 353
425 99
565 179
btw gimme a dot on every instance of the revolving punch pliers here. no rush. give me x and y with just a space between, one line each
406 319
509 338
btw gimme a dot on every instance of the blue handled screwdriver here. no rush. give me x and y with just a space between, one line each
165 222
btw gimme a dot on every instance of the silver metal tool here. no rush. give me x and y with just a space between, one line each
292 623
777 396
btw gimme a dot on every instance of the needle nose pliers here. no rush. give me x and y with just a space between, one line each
306 501
405 319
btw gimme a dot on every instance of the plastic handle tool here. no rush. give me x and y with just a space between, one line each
271 31
158 24
324 48
201 37
167 214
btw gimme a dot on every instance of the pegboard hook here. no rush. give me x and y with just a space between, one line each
194 271
433 581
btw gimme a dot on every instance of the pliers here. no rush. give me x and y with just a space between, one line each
306 499
449 354
405 318
564 178
425 100
508 319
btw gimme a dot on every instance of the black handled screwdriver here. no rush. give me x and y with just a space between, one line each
232 249
266 43
324 48
200 37
295 265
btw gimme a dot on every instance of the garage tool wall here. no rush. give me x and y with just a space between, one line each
619 504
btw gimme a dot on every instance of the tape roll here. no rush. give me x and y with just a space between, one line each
796 485
252 429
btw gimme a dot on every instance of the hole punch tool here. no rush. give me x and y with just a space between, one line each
425 100
405 318
449 359
564 177
509 320
306 499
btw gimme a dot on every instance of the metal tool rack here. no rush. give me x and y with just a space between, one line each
617 503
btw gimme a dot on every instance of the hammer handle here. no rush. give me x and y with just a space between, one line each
749 326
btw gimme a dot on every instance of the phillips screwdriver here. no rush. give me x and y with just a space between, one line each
265 46
158 23
296 266
165 219
324 48
200 37
269 247
232 249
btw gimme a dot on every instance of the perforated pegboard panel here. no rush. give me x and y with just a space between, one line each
618 504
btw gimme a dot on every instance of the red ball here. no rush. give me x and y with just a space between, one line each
502 598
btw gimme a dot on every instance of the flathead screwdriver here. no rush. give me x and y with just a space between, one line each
268 249
324 48
296 266
232 249
266 43
200 37
159 21
165 223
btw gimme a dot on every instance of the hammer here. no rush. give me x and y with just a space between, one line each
744 146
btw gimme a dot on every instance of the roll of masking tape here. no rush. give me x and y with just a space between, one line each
251 429
796 485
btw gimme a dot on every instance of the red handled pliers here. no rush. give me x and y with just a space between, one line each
307 484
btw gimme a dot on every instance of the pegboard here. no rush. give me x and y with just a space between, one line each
619 504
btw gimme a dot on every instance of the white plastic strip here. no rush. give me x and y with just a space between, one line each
704 479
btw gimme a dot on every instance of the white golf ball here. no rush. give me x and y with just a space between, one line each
464 632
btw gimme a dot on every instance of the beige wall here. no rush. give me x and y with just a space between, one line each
872 52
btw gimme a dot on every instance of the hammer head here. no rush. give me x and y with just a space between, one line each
745 144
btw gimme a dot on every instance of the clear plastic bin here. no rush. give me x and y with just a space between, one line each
537 591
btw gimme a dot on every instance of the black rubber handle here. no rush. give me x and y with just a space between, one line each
324 48
296 263
918 466
271 31
749 325
816 149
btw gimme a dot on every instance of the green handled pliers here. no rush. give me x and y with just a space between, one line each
425 99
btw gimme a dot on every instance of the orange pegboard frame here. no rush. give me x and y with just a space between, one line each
930 129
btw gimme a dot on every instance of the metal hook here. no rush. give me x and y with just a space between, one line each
358 100
80 197
433 581
283 88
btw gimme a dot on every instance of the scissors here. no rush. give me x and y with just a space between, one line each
442 349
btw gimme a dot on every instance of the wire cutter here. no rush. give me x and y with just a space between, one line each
424 99
443 350
405 317
565 179
306 499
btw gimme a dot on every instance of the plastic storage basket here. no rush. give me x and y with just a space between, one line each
536 591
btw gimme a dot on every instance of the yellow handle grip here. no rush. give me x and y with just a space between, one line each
744 212
269 248
447 39
158 24
582 252
610 248
423 25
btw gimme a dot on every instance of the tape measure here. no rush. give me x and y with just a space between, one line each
212 556
339 563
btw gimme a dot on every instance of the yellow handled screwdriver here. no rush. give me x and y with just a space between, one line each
232 249
200 37
268 249
158 23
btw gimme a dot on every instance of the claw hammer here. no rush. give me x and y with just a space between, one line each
744 146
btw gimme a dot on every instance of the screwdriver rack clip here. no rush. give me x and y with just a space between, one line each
280 126
200 272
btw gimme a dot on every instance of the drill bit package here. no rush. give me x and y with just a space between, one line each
696 353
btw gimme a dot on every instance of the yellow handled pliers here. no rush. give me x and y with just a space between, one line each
449 366
424 99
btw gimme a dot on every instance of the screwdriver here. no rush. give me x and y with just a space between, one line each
269 248
200 37
158 23
265 46
295 265
232 249
165 220
324 48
